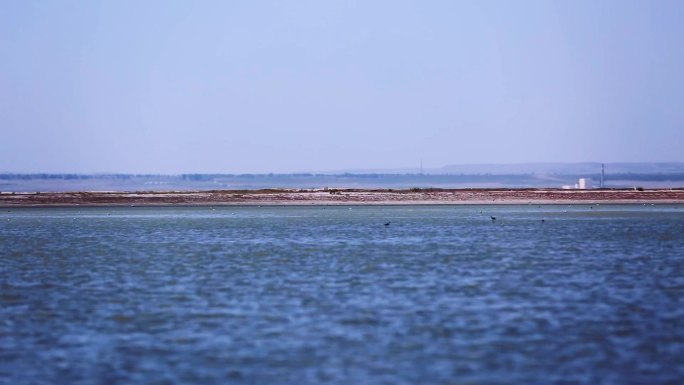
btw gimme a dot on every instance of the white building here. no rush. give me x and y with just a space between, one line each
584 183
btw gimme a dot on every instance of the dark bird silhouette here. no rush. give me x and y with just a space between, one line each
543 220
493 218
387 223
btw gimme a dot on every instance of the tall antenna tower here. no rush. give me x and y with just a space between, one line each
603 175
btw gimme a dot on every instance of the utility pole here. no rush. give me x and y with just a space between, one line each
603 170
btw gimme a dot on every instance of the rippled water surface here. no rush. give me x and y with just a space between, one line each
310 295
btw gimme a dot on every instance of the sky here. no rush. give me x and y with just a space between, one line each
247 86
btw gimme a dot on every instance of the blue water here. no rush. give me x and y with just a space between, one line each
314 295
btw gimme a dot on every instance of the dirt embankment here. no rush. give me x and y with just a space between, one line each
342 196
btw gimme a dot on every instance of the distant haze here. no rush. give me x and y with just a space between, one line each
291 86
537 168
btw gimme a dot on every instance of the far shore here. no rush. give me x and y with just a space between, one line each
342 197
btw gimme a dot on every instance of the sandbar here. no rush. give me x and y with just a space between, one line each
413 196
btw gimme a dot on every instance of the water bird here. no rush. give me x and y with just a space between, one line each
387 223
493 218
543 220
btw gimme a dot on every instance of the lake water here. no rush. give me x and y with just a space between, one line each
311 295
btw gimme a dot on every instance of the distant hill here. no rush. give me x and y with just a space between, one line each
533 168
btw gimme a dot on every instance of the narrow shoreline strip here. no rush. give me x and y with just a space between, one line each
342 197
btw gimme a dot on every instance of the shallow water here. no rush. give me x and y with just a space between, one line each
309 295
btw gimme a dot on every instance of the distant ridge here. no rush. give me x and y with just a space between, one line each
550 168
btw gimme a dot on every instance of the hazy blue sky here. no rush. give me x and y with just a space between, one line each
282 86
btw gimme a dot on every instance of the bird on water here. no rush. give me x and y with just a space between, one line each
493 218
387 223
